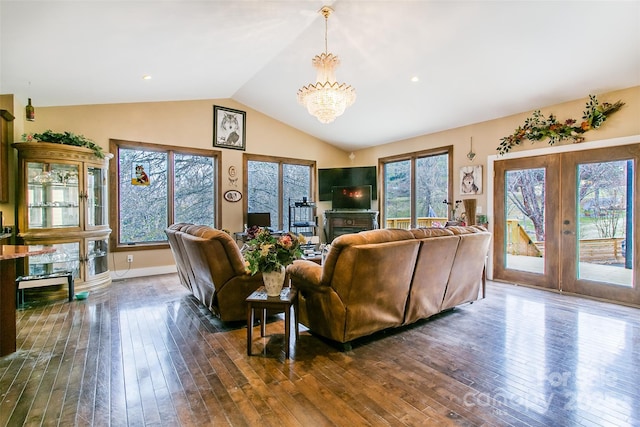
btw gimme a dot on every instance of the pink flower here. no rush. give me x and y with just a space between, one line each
286 241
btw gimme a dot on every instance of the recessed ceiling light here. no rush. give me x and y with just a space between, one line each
415 79
146 77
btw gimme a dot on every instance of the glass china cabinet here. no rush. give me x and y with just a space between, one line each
62 203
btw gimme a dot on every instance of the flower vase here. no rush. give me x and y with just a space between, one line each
274 281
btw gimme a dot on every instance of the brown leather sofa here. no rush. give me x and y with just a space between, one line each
387 278
210 265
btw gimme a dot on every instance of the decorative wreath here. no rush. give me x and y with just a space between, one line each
538 128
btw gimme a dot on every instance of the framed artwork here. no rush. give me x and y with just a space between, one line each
471 180
229 128
140 173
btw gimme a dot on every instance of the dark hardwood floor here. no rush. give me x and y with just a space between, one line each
144 352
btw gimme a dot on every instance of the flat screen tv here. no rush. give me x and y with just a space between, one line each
261 219
351 197
345 177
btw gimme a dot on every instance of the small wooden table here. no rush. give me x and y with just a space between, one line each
8 255
259 300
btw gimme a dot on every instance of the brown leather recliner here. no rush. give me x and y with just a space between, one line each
210 265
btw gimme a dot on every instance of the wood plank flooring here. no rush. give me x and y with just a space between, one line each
145 353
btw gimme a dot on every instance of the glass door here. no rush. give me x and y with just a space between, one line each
599 223
569 222
65 258
53 199
96 259
526 198
96 197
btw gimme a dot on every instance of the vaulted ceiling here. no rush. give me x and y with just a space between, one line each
474 60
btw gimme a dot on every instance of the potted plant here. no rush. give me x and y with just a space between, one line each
270 255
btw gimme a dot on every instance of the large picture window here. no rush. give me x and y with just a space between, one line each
271 183
416 185
154 186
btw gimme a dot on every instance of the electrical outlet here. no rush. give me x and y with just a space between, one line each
129 259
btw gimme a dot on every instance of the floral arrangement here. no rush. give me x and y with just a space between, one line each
538 127
67 138
266 253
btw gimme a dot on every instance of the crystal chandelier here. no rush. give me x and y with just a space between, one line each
326 99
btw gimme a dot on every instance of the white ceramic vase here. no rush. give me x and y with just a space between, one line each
273 281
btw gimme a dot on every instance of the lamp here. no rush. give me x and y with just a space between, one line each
326 99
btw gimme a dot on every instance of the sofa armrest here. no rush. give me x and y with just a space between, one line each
307 275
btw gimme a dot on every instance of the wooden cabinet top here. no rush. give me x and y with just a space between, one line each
49 150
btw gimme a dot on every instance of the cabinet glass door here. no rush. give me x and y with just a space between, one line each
52 195
96 197
65 258
97 260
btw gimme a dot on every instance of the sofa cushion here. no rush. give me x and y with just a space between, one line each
364 237
177 248
373 282
431 275
424 232
467 271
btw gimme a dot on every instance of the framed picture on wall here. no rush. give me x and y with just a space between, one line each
229 128
470 180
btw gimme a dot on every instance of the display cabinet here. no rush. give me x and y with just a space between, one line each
62 203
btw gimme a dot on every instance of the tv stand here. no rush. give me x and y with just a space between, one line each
337 223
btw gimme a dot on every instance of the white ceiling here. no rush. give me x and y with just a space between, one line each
476 60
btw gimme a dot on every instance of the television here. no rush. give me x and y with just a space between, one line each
351 197
346 177
260 219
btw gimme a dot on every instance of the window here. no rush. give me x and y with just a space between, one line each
415 186
272 182
156 186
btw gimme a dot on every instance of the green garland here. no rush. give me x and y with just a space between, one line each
66 138
538 128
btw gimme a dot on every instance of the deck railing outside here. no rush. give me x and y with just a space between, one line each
405 223
519 242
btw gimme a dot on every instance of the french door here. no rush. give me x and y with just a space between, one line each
569 222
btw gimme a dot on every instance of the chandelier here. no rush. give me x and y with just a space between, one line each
326 99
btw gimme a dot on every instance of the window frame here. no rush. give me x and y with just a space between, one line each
114 188
412 157
246 158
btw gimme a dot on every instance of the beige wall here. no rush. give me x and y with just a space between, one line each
189 124
184 124
486 135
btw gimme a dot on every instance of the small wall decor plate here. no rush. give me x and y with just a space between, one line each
232 196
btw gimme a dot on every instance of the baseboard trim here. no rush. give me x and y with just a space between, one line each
141 272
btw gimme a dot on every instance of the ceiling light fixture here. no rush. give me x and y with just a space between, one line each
471 155
326 99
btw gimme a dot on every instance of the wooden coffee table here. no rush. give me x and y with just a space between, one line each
259 300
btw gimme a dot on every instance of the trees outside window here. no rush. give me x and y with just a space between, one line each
158 186
601 197
272 182
416 185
